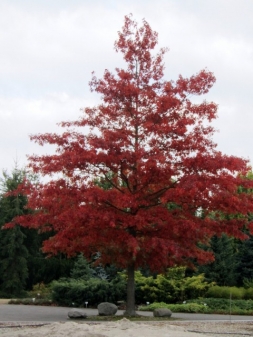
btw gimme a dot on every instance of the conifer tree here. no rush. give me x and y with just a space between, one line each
223 269
13 252
245 261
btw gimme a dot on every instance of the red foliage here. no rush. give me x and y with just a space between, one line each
167 187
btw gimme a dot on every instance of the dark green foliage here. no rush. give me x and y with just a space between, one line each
72 292
222 305
245 261
13 252
22 263
43 269
112 272
223 270
13 267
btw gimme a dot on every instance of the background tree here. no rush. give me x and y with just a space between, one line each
222 270
245 248
245 261
22 263
81 269
13 252
153 146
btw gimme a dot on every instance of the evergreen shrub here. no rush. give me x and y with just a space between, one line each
72 292
171 287
40 291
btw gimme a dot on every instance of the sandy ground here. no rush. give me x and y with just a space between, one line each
126 328
122 328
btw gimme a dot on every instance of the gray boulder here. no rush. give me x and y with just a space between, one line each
77 313
162 312
107 309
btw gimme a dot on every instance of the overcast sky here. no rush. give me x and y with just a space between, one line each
48 49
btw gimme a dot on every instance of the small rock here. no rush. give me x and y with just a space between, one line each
162 312
77 313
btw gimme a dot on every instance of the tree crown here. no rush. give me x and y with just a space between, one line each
152 147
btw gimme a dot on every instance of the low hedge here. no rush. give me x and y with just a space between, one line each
187 307
224 305
32 301
72 292
207 306
230 292
226 292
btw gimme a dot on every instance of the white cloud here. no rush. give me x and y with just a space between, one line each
20 118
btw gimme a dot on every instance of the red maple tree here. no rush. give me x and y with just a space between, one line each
141 180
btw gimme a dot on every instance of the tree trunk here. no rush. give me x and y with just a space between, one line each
130 304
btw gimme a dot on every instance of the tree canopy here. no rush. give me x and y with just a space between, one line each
151 144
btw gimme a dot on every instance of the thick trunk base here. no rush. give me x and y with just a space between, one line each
130 314
130 304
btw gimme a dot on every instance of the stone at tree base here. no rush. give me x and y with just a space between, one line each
77 313
107 309
162 312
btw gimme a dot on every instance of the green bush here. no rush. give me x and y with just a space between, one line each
195 286
189 307
171 287
214 303
71 292
225 292
153 306
40 291
248 294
